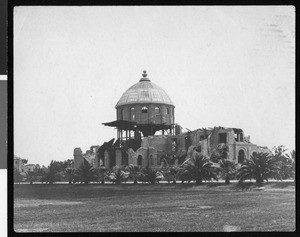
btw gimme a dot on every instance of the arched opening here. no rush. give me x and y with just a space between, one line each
241 156
168 111
132 114
254 153
144 109
140 160
157 110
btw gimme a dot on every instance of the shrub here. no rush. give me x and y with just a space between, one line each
150 176
260 167
118 176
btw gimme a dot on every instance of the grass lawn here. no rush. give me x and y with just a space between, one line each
160 207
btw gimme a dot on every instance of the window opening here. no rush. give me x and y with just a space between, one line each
132 114
157 110
241 156
144 109
140 160
222 137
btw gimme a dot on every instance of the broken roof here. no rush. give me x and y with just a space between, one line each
130 125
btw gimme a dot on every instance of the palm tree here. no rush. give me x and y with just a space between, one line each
134 172
200 169
85 173
227 169
287 165
260 167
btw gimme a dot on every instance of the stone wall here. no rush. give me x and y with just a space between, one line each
78 158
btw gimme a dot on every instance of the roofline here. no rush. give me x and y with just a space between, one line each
143 102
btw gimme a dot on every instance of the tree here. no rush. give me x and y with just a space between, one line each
134 172
53 172
39 173
227 170
17 176
69 163
85 173
260 167
285 161
200 169
69 174
288 166
30 176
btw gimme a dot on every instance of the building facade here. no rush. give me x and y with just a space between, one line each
144 110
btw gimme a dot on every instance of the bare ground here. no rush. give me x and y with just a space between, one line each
151 208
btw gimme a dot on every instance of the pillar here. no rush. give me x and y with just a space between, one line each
118 158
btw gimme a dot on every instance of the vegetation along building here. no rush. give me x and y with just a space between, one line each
148 136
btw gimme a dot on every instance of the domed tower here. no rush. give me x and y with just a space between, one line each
145 108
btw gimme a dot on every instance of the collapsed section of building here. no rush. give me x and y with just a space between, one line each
147 135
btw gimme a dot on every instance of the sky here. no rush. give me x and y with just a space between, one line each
221 66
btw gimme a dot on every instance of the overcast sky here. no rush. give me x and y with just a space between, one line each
221 66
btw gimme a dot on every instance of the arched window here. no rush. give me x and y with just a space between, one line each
144 109
132 114
254 153
168 111
157 110
241 156
140 160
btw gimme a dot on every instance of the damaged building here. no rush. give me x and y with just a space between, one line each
148 136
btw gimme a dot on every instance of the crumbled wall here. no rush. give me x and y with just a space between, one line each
157 146
160 143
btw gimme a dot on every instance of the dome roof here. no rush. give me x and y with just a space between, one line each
144 91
